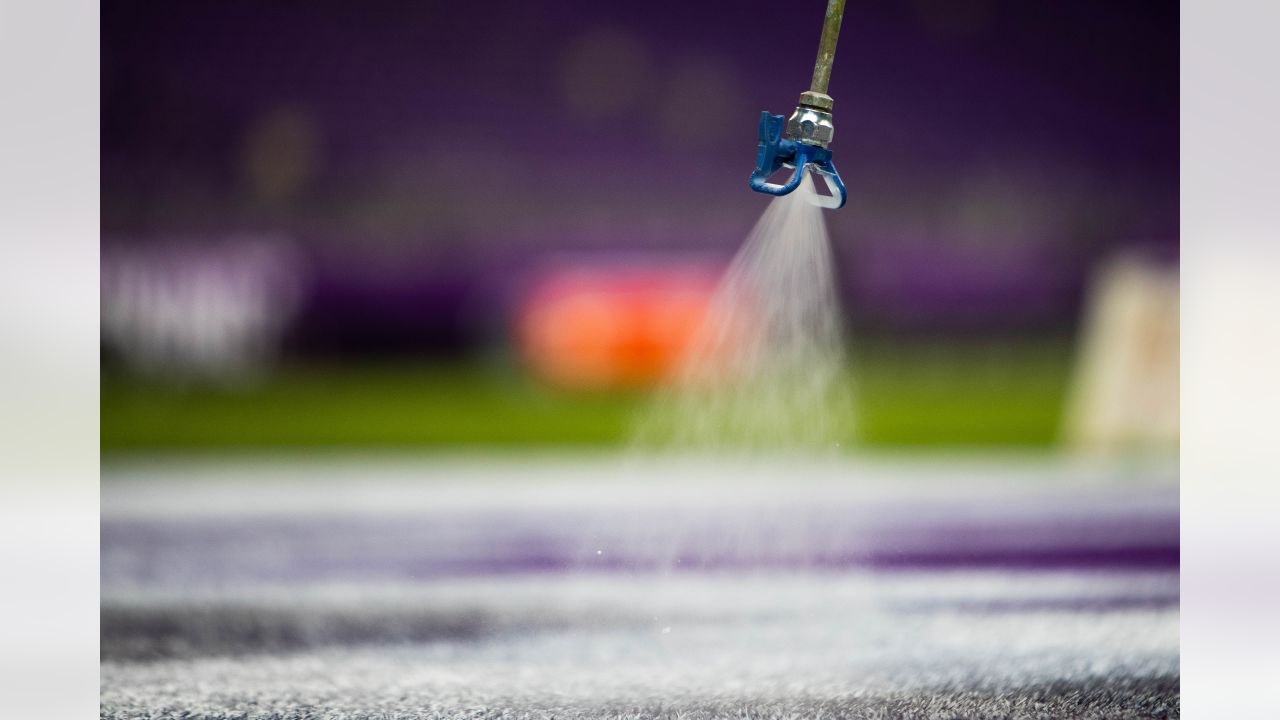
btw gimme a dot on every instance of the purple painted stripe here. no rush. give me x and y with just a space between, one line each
418 548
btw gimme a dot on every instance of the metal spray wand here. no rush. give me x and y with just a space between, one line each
809 130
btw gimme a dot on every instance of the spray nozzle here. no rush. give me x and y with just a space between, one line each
809 129
775 152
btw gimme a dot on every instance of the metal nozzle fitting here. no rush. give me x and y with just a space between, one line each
817 100
811 126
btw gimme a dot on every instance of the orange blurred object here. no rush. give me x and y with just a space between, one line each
609 328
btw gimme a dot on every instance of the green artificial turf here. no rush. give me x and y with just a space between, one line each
916 394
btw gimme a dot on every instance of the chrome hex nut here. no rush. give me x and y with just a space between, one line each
811 126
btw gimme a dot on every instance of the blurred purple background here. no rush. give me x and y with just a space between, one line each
421 160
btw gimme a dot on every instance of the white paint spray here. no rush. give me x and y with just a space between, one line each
767 369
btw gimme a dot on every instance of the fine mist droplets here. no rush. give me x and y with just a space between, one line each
766 370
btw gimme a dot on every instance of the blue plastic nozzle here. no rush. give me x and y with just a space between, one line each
775 152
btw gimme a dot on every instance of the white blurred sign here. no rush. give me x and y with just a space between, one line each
1124 394
186 311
